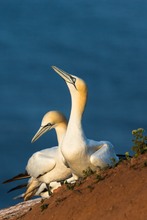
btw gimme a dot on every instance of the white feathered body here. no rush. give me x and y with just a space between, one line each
79 152
48 165
82 153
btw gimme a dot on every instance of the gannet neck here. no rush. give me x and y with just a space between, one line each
60 131
78 102
78 91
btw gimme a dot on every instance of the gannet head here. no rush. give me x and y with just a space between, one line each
78 83
51 120
78 90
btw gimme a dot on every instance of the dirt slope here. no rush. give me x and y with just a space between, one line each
119 193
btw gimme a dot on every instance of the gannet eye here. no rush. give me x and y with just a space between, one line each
73 79
48 125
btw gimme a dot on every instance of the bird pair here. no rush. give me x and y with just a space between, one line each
75 152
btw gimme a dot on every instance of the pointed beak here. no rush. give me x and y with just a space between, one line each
40 132
66 76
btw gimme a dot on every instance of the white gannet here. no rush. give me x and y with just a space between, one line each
79 152
47 165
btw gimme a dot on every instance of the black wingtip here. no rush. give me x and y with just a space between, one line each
18 187
123 156
17 177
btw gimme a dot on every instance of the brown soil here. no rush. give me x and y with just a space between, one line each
118 194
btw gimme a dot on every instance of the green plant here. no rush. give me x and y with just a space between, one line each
43 207
79 182
127 155
70 186
99 177
139 142
88 172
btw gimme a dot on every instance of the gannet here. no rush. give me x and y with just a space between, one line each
47 165
80 152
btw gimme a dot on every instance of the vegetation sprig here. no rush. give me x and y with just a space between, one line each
139 142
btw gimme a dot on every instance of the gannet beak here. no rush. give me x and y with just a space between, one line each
42 130
66 76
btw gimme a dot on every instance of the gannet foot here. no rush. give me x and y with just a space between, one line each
69 181
72 179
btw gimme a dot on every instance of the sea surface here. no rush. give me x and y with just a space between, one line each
104 42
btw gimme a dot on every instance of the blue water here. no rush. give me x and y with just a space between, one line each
104 42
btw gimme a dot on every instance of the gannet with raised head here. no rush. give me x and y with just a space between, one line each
79 152
47 165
